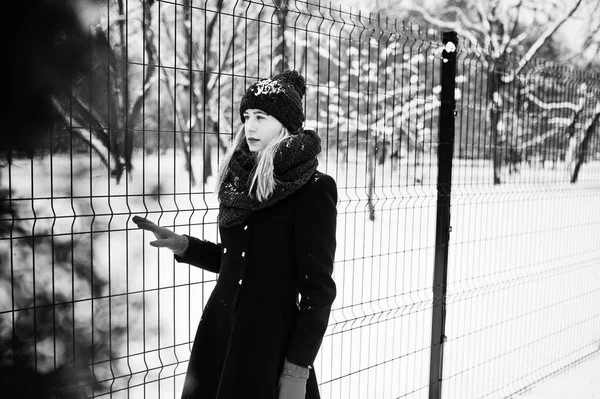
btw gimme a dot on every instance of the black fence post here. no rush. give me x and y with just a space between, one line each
442 236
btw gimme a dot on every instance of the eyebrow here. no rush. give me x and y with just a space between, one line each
256 112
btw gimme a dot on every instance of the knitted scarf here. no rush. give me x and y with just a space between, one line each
293 164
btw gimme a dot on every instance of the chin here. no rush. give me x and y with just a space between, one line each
254 147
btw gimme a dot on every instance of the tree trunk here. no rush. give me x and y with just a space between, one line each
186 139
583 147
209 141
571 151
135 114
495 101
371 156
281 52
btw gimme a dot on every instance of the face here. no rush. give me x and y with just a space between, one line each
260 129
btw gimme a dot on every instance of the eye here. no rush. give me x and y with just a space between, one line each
260 116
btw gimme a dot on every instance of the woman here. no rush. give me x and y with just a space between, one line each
264 322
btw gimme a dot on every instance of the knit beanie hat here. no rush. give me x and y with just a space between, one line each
280 97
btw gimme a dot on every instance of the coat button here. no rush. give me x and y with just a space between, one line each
240 282
243 254
224 250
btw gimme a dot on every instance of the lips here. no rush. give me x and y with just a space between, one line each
252 140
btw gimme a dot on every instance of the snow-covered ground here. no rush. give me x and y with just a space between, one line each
523 275
582 381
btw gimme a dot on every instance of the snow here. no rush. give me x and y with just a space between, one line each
579 382
522 274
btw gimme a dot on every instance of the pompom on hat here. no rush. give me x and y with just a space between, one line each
280 96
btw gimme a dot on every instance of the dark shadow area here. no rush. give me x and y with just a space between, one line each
53 335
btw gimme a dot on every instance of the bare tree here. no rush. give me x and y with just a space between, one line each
102 107
191 86
509 46
217 43
580 140
377 91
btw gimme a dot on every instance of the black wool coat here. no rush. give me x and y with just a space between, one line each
272 299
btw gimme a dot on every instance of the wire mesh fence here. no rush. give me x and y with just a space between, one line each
523 257
89 303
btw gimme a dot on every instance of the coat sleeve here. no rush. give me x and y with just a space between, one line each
203 254
315 244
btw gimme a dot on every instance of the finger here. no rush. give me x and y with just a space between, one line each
160 243
142 223
138 219
145 226
150 226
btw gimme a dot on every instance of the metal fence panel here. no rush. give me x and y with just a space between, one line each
524 254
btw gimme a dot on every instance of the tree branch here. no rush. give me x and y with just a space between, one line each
465 21
509 31
443 24
542 39
518 11
554 105
483 16
514 41
98 142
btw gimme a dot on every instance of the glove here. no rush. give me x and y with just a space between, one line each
292 382
165 237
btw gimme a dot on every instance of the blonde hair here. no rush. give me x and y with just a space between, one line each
262 179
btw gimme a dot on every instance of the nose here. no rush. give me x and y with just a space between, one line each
249 125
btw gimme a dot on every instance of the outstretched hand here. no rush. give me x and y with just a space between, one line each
165 238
